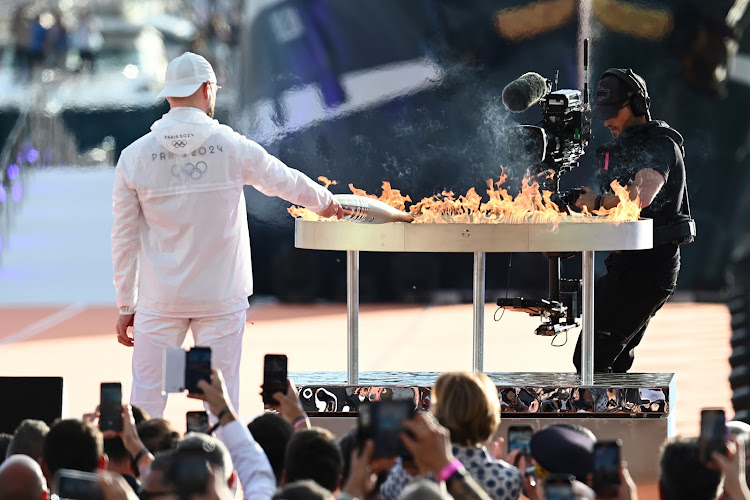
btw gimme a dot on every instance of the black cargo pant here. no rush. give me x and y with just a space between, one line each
625 300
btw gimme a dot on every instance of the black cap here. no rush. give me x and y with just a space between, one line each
612 94
560 450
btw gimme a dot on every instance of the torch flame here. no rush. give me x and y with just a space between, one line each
530 206
326 182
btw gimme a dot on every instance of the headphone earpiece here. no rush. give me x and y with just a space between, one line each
639 100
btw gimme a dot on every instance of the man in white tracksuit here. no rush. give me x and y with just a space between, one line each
180 242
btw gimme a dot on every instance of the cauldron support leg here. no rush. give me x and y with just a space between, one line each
352 316
587 332
479 274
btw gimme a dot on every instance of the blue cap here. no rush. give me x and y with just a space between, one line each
561 450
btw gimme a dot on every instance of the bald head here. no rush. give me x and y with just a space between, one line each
21 478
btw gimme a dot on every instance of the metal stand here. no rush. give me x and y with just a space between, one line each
352 316
587 331
477 239
480 259
479 274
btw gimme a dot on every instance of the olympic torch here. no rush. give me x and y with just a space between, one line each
369 211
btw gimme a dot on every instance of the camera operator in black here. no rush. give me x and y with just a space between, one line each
646 157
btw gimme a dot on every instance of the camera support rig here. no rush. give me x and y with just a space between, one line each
554 147
561 311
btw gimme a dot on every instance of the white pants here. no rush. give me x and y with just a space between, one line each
153 334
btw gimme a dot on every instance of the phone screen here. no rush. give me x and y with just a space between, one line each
76 484
607 468
197 421
364 423
197 367
274 376
519 438
110 407
713 433
384 419
558 489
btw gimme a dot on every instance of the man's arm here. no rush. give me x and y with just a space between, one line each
140 455
289 407
646 185
732 465
126 211
272 177
249 459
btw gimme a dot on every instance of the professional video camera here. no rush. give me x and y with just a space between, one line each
548 150
553 147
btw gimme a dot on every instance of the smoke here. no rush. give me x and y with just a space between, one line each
450 138
450 135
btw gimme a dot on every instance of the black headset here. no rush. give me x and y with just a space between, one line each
639 100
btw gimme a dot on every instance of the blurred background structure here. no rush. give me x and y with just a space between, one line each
360 92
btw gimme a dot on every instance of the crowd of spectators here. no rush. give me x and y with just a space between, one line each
44 39
72 40
218 26
449 452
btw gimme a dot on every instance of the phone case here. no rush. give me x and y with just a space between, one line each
173 375
197 367
110 409
197 421
274 380
76 484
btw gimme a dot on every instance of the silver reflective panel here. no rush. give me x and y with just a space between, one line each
631 394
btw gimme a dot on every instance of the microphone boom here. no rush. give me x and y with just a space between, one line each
522 93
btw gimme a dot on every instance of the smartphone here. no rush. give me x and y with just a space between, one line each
381 421
76 484
173 371
607 468
110 406
197 367
197 421
519 438
558 487
274 376
713 433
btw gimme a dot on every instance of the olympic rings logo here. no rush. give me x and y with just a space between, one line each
194 171
179 144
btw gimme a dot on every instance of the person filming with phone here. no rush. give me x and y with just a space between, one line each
707 467
253 468
180 241
467 404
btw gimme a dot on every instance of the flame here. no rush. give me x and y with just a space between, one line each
627 209
326 182
391 196
530 206
303 213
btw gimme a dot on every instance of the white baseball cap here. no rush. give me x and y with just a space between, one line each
185 74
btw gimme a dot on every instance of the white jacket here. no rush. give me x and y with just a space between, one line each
180 243
250 461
